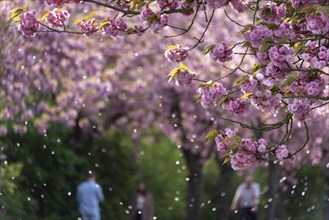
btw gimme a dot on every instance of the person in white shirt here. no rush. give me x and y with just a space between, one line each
247 197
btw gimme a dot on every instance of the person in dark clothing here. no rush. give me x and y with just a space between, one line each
142 204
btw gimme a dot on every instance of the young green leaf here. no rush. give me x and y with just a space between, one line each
212 134
247 95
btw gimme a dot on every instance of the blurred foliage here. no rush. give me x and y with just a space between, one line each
42 172
211 175
163 169
52 165
304 200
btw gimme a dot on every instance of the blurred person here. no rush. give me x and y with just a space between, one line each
142 207
247 196
89 195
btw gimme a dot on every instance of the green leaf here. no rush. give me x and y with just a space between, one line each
208 84
44 16
182 66
220 103
226 159
247 95
272 25
15 14
105 23
320 9
266 46
236 139
268 12
283 39
287 82
246 44
173 73
25 8
130 31
78 21
241 80
235 148
246 28
16 11
198 97
152 17
212 134
299 47
208 49
307 9
171 47
140 4
256 67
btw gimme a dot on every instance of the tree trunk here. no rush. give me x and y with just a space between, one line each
194 186
326 202
194 167
272 196
224 183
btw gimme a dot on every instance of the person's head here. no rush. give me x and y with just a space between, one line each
248 180
91 175
141 187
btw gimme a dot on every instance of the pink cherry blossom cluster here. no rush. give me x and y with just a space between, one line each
221 53
160 23
281 152
250 154
214 4
262 98
236 105
318 24
240 5
184 77
56 18
305 84
285 30
3 131
210 94
257 36
280 55
276 61
272 12
300 108
116 28
88 27
276 70
224 146
317 56
251 85
172 4
20 129
154 20
299 3
176 54
29 25
266 101
61 2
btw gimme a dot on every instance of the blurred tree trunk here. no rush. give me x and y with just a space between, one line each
194 186
326 202
224 183
195 182
272 194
